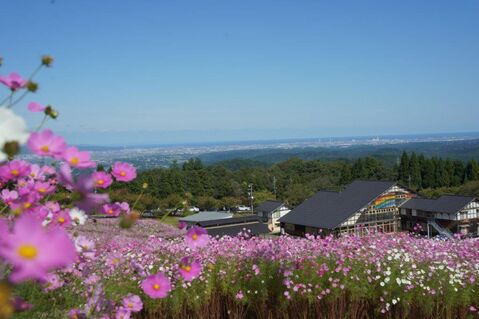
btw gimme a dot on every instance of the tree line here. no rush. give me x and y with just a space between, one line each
225 185
419 172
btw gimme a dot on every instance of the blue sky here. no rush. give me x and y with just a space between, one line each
192 71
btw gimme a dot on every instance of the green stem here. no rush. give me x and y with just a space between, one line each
136 201
8 98
3 209
19 99
44 120
166 215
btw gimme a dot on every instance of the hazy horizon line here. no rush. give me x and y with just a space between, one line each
465 134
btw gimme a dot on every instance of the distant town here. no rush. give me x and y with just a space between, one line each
153 156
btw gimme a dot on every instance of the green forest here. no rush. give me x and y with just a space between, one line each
225 184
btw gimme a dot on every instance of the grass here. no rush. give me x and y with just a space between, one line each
170 220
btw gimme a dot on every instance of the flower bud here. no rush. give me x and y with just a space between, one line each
47 60
145 185
32 86
11 149
128 220
20 305
50 111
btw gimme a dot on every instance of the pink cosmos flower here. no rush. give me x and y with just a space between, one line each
54 207
45 143
189 270
8 197
123 172
13 81
20 304
36 107
44 188
53 282
77 159
113 210
34 250
114 260
27 202
181 225
196 237
62 218
40 173
25 188
85 246
132 303
125 207
101 179
84 187
123 313
14 170
239 295
156 286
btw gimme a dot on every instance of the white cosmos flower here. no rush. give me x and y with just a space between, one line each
78 216
12 129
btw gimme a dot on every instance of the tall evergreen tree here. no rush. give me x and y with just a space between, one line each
440 174
429 173
415 169
346 176
403 170
472 171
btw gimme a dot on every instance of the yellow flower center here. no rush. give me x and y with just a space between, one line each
100 182
27 205
61 220
110 211
156 286
187 268
130 305
45 148
15 172
194 237
28 252
42 190
122 173
74 161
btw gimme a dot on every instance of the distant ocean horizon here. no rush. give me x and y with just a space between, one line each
357 139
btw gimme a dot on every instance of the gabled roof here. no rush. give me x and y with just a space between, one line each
269 206
204 216
233 230
445 204
329 209
228 221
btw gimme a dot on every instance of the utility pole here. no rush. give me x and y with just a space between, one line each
274 186
251 197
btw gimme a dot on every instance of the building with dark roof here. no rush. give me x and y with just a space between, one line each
233 226
270 212
361 207
443 216
205 216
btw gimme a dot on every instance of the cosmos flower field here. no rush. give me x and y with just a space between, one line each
57 261
244 277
